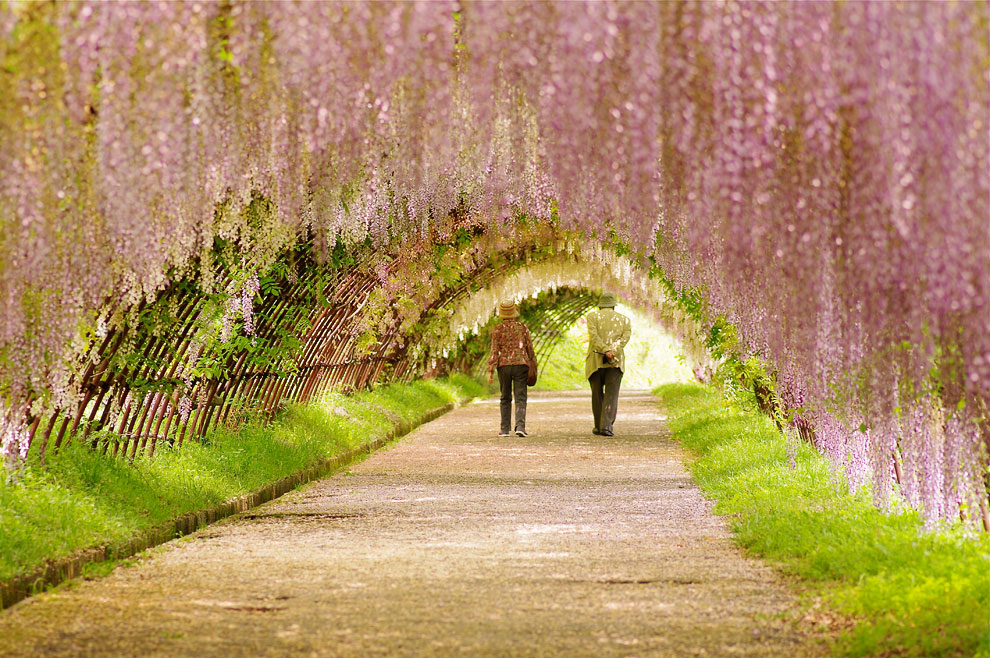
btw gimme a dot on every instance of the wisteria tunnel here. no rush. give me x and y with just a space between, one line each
211 209
311 327
246 246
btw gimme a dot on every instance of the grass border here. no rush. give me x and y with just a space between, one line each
55 572
880 583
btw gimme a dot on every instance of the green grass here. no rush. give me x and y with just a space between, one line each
564 369
911 592
82 499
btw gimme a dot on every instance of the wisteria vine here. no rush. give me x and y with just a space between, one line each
819 173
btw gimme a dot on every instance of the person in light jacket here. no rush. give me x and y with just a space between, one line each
512 352
608 333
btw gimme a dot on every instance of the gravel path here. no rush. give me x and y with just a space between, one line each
451 542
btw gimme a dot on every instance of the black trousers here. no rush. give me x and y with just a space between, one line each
512 379
605 384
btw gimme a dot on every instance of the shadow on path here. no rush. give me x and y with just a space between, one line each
452 542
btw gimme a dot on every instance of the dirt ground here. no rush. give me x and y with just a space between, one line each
451 542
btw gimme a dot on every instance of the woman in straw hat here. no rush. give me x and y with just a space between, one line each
512 352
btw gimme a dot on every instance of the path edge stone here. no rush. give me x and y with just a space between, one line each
55 572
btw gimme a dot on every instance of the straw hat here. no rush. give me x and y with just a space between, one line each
508 310
607 300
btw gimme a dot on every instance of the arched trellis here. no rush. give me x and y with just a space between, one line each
137 391
112 387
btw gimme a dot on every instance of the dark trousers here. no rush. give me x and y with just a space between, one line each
605 384
512 379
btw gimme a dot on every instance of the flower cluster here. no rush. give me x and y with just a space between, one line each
14 444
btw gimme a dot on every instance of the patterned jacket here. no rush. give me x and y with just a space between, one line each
608 331
511 345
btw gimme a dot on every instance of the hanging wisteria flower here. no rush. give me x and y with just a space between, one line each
14 444
185 408
251 288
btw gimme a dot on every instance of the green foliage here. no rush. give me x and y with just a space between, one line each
82 498
915 593
341 255
722 337
743 379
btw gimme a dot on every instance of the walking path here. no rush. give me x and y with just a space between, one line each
452 542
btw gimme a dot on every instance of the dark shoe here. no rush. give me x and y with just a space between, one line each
607 433
504 434
596 432
521 433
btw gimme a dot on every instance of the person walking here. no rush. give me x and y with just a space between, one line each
512 352
608 333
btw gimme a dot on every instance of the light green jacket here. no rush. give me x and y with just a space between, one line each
608 330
